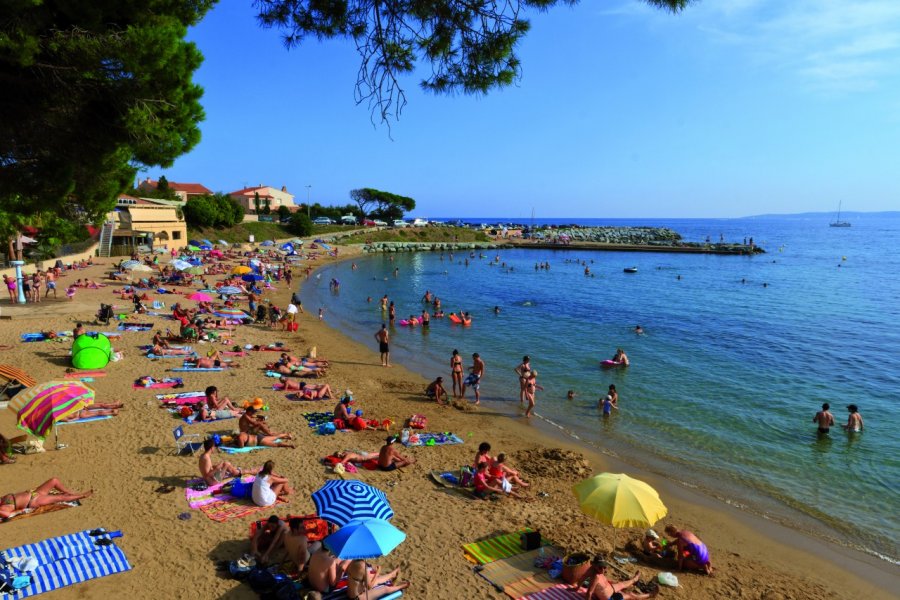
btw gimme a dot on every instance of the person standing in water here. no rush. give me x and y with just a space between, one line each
522 371
531 387
392 312
854 421
474 378
824 419
456 373
384 348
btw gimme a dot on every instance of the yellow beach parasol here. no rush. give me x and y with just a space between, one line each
241 270
618 500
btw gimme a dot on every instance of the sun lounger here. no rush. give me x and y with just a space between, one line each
67 560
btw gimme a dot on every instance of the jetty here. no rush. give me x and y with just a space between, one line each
683 247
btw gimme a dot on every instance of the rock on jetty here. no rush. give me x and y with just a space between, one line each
662 236
425 246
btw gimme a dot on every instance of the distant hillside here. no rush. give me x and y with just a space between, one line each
891 214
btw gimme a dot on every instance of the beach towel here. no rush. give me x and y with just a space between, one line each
33 512
433 439
181 356
314 419
517 574
244 450
213 493
502 546
135 326
298 397
560 591
274 374
272 349
181 398
193 420
80 374
197 369
341 594
84 420
231 508
149 383
67 560
40 337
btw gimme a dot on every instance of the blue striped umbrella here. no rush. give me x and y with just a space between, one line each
364 538
342 500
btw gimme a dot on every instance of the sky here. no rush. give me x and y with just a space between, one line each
731 108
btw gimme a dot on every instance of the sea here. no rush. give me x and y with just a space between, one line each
737 355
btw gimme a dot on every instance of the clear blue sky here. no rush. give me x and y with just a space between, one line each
734 107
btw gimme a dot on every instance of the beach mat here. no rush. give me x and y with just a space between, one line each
232 508
67 560
135 326
495 548
196 370
181 356
440 439
166 382
80 374
181 398
560 591
9 372
48 508
314 419
244 450
517 574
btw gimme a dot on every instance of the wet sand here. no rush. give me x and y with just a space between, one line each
127 458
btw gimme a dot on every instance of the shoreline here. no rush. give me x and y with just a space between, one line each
124 459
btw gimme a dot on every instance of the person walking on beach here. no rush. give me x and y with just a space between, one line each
456 373
531 387
383 338
474 378
854 421
522 371
824 419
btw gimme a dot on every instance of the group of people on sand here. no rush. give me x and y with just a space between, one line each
825 420
493 475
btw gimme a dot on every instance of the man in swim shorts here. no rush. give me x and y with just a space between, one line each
474 378
384 348
824 419
215 473
388 457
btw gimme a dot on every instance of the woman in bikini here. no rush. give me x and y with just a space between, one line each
363 584
531 386
522 371
456 372
49 492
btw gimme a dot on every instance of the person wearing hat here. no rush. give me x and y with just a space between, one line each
651 544
352 420
602 588
855 420
251 423
388 457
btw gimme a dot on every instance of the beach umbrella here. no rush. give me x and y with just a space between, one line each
342 500
216 253
195 270
364 538
252 277
224 243
268 243
206 247
200 297
231 313
618 500
194 242
229 290
179 264
139 267
128 264
40 407
241 270
194 248
207 242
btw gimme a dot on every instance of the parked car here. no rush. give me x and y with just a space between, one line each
400 223
322 221
379 223
420 223
348 220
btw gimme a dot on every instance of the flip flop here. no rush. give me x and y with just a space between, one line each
165 489
185 516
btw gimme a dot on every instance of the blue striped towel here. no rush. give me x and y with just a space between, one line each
67 560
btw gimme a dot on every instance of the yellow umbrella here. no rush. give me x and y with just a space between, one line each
618 500
241 270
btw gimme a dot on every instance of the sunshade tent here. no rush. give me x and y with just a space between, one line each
341 501
223 243
39 407
207 242
620 501
268 243
91 352
194 242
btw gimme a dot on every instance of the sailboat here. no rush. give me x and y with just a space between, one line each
838 222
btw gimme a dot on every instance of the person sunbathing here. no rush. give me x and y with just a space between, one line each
325 570
252 423
310 391
388 457
363 584
602 588
158 350
268 487
295 371
215 473
96 410
355 457
305 361
215 414
210 363
49 492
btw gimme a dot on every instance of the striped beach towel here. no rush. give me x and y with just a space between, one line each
67 560
181 398
502 546
559 591
234 508
517 574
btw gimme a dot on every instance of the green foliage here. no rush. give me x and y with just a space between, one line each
283 212
256 201
218 210
333 212
468 46
420 234
93 91
267 209
300 224
381 205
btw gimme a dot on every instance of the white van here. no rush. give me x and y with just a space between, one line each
420 223
348 220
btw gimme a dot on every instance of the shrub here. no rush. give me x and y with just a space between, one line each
300 224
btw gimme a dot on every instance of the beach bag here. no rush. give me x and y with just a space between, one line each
466 476
418 421
241 488
531 540
339 424
330 428
265 581
668 579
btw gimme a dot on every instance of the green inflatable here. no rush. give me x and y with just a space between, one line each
89 352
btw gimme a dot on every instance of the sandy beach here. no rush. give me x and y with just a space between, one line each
125 459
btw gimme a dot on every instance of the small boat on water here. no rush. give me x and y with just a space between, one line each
837 222
630 269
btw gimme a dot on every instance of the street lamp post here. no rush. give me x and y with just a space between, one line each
307 199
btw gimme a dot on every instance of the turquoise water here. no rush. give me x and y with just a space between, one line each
724 384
